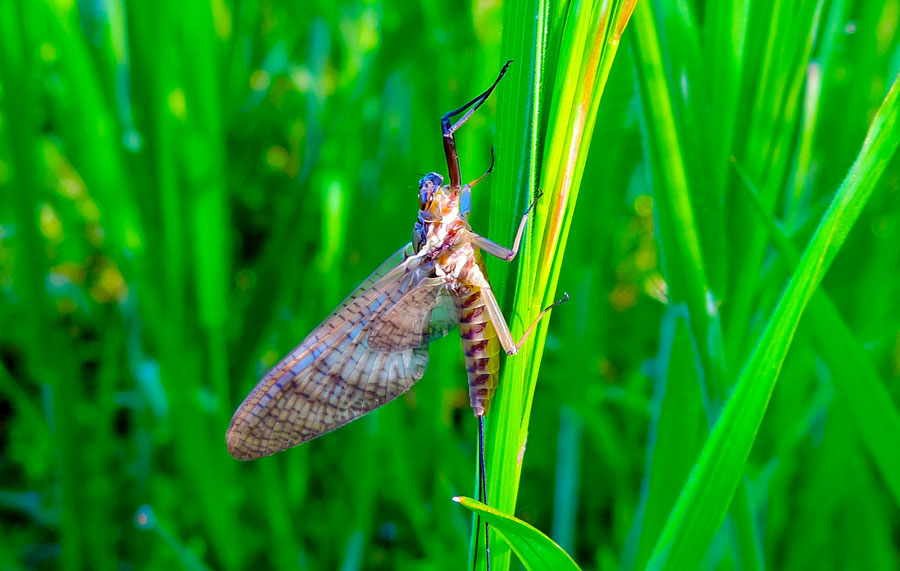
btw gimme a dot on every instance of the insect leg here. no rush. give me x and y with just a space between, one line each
448 129
501 252
504 335
490 168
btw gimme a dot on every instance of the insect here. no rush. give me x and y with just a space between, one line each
374 346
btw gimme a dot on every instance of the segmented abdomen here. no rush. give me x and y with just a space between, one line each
481 347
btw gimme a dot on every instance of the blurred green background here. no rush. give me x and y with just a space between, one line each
188 188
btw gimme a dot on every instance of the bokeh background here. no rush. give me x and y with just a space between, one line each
187 188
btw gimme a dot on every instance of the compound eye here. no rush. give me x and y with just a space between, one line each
429 183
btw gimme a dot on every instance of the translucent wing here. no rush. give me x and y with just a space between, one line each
370 350
427 312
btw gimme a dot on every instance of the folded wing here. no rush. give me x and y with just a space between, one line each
370 350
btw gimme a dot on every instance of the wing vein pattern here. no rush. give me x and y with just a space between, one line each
370 350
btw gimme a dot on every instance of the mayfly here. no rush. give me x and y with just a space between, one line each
374 346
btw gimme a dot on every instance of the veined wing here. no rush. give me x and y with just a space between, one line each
427 312
370 350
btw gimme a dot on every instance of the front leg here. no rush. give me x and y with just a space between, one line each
499 251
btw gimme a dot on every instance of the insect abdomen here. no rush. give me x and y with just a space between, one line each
480 346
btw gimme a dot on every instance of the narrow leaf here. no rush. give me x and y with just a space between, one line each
872 409
705 499
535 550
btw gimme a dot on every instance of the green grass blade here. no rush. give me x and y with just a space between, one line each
684 269
871 407
704 500
536 551
683 209
675 425
587 47
786 34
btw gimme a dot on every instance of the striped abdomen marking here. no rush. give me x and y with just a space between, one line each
480 346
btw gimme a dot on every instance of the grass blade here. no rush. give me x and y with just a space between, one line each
683 210
871 406
704 500
536 551
588 38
